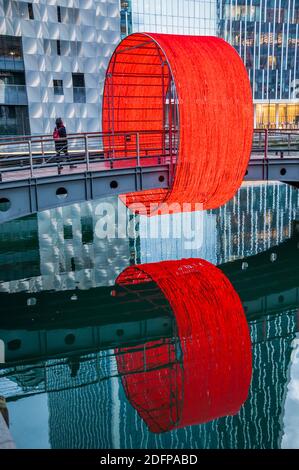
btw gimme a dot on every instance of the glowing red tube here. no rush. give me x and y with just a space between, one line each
215 113
207 373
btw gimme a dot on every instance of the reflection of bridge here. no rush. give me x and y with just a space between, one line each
70 357
87 407
48 324
32 179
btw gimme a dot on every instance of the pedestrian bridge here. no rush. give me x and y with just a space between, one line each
33 178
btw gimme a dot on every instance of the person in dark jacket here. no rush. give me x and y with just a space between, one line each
60 138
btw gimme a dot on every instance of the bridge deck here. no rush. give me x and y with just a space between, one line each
31 178
65 167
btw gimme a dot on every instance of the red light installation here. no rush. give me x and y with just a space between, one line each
206 373
190 99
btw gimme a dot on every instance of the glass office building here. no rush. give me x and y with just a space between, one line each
53 60
192 17
125 17
264 32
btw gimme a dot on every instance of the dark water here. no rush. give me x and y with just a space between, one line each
62 323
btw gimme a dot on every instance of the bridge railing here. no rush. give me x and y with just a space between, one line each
35 154
275 142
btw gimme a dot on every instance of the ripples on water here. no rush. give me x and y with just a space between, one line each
63 323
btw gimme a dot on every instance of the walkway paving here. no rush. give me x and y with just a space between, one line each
45 170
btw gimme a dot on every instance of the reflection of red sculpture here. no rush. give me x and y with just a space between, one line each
206 373
214 104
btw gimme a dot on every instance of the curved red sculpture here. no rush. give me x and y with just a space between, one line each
214 102
206 373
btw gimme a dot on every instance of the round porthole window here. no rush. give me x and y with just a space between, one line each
14 345
70 339
61 193
113 184
5 204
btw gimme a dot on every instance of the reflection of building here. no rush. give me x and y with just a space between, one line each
187 235
99 414
58 249
55 55
249 224
71 253
92 408
19 249
290 437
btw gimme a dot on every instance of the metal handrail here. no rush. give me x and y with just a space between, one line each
87 148
78 134
49 137
33 153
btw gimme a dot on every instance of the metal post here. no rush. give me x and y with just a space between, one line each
138 148
43 151
265 163
260 139
266 144
163 110
127 23
170 121
30 158
86 152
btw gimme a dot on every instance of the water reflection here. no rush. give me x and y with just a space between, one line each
205 371
57 249
69 328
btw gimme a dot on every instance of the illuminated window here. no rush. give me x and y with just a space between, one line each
272 61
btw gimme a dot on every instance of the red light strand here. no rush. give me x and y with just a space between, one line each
215 113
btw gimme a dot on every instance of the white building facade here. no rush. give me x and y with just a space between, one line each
53 59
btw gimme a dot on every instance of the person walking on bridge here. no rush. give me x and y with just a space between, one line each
60 138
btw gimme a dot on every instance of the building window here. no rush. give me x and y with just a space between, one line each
30 11
125 18
58 87
12 78
59 14
79 88
14 120
12 88
87 230
58 46
10 47
68 232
